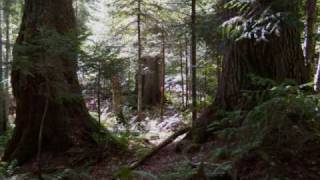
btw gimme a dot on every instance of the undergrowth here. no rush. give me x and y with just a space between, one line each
277 138
281 129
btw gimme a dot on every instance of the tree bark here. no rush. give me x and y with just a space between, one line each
152 80
279 59
317 78
8 46
310 40
187 72
194 61
116 95
181 74
163 72
3 114
45 83
140 103
99 93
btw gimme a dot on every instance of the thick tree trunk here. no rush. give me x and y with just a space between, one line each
279 59
45 83
152 80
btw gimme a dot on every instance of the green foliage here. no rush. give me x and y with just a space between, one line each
49 41
124 173
7 169
293 122
256 20
119 141
46 44
78 173
103 58
4 140
281 130
283 126
223 168
184 170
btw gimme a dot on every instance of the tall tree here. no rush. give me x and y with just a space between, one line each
50 108
139 62
317 77
7 15
187 71
181 73
310 40
281 50
3 115
194 61
279 57
163 70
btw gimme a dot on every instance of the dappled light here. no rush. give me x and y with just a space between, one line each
159 89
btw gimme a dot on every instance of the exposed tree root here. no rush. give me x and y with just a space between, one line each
168 141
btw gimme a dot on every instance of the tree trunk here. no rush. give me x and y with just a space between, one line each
187 72
317 77
219 68
8 46
163 73
279 59
99 93
116 95
3 114
310 40
194 61
140 103
181 74
45 83
152 80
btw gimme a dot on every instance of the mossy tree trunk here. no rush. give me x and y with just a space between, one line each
279 59
45 83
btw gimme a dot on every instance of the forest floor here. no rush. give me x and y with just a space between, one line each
214 159
242 151
143 136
